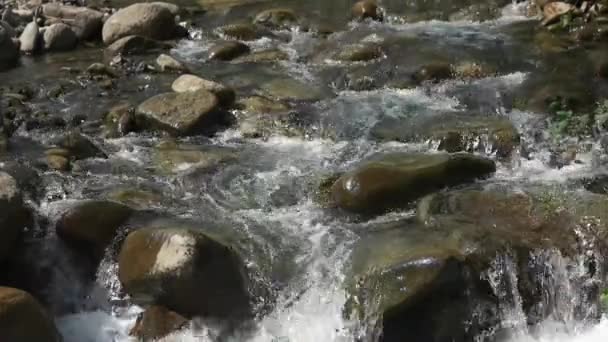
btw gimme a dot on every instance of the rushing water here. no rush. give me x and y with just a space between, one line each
267 198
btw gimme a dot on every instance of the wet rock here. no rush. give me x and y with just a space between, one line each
9 52
182 113
14 215
171 158
554 10
359 53
80 147
157 322
184 270
100 69
88 25
442 260
188 83
141 19
240 31
30 38
22 318
278 18
265 56
433 73
394 180
472 70
59 37
90 226
367 9
168 63
284 89
120 120
226 51
454 132
57 162
134 45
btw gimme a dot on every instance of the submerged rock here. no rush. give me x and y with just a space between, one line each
148 20
188 83
359 53
284 89
454 132
168 63
80 147
22 318
90 226
171 158
240 31
433 72
14 215
184 270
184 113
278 18
157 322
262 105
226 51
393 180
265 56
136 198
134 45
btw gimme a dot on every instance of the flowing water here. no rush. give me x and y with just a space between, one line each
298 252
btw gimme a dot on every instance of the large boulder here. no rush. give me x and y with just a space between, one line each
182 113
14 215
88 25
391 181
471 253
59 37
186 83
90 226
142 19
184 270
22 318
9 52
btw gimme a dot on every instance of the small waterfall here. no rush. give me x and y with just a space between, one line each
566 303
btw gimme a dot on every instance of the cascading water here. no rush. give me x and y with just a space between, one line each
298 251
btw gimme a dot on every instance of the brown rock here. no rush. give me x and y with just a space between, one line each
157 322
367 9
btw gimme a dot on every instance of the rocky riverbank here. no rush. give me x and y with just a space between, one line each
222 167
